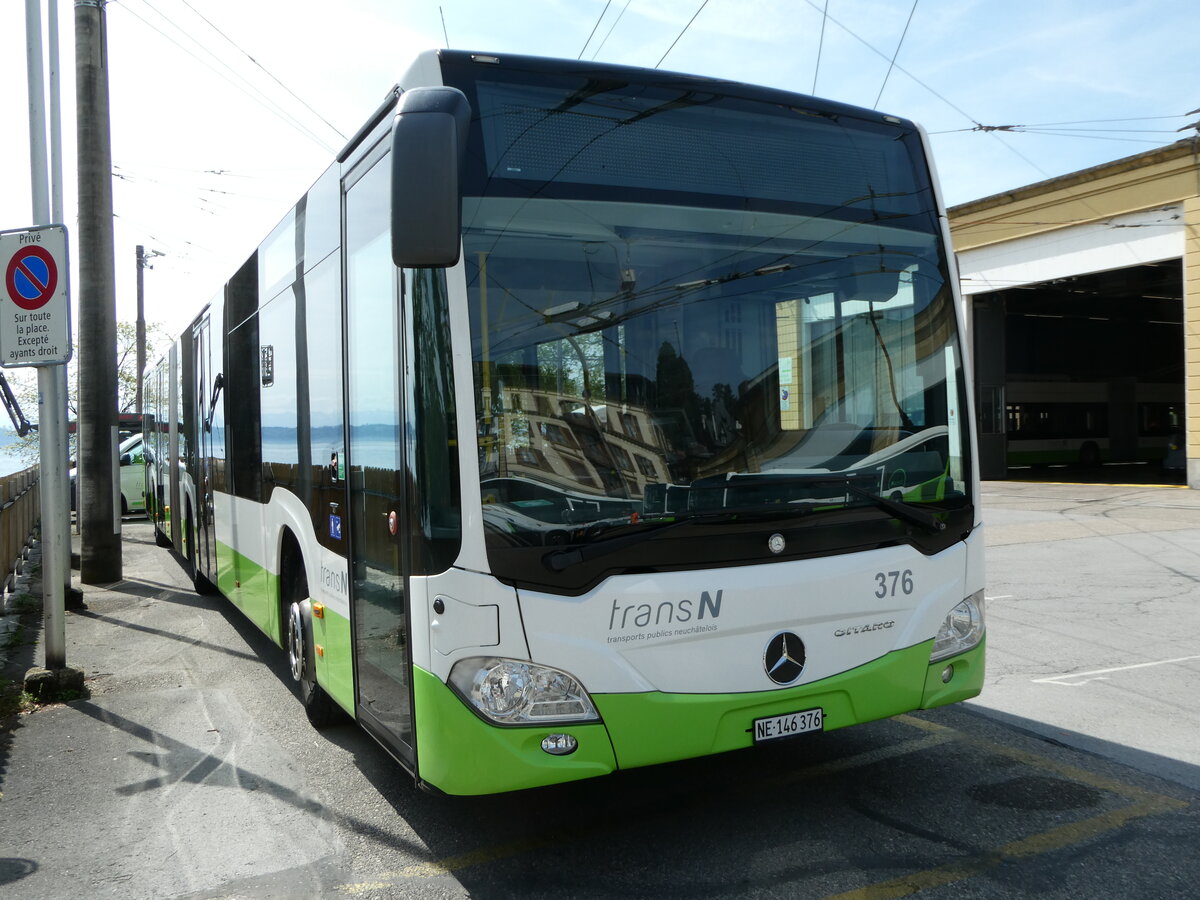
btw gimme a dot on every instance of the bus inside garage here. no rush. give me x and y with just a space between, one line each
1082 377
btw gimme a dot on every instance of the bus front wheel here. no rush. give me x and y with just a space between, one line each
1089 455
318 705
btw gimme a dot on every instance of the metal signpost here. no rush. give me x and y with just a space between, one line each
35 317
35 330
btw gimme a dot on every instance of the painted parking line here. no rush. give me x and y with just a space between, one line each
1070 679
1144 804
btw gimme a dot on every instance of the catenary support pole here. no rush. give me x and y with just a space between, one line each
141 326
54 68
99 508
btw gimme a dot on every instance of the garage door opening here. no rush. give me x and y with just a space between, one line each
1082 378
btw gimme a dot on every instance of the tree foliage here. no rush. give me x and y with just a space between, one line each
25 387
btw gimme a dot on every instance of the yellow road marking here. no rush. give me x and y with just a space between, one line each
450 864
1034 845
1074 773
1144 803
1177 487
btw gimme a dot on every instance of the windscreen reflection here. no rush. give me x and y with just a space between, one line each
634 363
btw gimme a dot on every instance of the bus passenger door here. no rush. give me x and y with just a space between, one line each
206 558
376 471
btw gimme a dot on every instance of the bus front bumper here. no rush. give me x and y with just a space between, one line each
458 753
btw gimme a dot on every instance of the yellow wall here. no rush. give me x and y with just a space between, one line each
1191 327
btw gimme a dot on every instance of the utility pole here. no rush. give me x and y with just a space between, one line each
99 508
143 262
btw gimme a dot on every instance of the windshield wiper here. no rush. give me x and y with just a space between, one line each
904 511
561 560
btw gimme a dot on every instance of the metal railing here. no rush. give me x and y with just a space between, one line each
20 514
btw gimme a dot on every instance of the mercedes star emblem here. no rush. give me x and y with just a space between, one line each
784 658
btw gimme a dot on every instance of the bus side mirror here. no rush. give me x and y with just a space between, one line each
429 138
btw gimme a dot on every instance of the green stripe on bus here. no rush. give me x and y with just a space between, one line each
335 669
255 591
251 588
654 727
461 754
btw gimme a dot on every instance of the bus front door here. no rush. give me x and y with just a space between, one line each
376 469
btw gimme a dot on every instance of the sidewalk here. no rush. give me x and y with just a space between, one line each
127 793
24 594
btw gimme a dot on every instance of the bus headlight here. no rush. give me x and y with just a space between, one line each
961 630
513 692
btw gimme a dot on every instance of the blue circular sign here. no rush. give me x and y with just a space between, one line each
32 277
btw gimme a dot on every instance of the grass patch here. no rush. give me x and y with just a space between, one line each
23 602
14 699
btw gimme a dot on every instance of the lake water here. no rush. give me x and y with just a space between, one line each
9 460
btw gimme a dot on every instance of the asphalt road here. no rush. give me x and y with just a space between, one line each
1094 619
191 770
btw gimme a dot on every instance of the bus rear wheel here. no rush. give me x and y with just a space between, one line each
1089 455
318 705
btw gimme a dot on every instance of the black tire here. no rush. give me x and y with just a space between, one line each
1089 455
200 583
298 644
160 539
189 544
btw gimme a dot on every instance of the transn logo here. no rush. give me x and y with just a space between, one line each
668 612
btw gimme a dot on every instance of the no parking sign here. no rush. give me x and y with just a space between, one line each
35 312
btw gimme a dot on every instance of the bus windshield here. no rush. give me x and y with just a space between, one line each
696 309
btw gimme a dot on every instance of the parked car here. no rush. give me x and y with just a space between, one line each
132 455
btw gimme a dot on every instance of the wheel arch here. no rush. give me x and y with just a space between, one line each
293 548
292 563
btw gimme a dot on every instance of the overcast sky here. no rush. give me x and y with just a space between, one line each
210 148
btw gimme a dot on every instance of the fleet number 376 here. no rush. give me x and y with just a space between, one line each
888 584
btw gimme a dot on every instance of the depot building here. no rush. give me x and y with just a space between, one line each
1083 298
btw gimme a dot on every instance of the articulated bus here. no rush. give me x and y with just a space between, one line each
1092 422
584 417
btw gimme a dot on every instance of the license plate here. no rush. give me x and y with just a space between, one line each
787 725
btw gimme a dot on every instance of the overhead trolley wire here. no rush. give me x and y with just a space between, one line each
1106 121
607 3
245 88
820 45
899 44
269 74
610 28
993 129
1041 128
953 106
882 55
682 33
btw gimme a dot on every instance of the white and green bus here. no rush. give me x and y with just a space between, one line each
584 417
